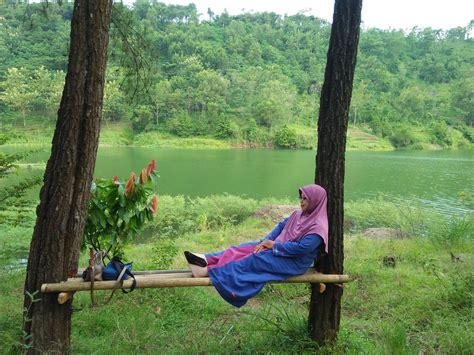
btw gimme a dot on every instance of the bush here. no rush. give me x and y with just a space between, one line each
306 137
403 136
142 117
12 194
250 132
225 128
457 139
164 253
256 136
306 141
455 230
285 137
117 211
467 132
181 125
408 216
447 136
380 127
183 215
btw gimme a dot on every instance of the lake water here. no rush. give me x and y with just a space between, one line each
435 178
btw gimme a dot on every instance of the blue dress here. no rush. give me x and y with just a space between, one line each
239 274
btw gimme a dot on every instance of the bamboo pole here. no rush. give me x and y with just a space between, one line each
148 272
63 297
145 274
162 281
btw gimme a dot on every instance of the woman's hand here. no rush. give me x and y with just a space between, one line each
266 244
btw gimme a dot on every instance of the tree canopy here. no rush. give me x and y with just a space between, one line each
230 75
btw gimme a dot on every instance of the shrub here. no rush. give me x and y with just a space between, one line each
457 138
467 132
250 132
408 216
164 253
285 137
181 215
447 136
117 211
181 125
306 141
380 127
455 231
141 118
362 214
11 196
225 128
403 136
460 296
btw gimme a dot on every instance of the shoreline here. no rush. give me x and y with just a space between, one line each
238 146
358 139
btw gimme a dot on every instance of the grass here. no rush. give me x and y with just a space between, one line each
423 304
33 136
112 135
360 139
121 134
162 140
117 134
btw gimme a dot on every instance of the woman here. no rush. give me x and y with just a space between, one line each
240 272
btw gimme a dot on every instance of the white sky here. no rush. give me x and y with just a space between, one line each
384 14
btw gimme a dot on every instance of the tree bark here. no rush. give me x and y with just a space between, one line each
55 245
325 308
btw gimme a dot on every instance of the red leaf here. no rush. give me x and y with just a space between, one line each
154 204
143 176
130 186
151 167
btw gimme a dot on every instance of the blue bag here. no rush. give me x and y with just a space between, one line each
113 270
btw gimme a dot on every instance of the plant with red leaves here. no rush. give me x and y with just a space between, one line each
118 210
130 186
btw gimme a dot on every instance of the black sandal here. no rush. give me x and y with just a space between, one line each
194 259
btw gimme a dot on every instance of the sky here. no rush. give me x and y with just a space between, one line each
384 14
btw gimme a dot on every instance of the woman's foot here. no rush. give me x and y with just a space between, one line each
198 271
195 259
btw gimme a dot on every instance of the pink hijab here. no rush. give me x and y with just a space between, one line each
313 221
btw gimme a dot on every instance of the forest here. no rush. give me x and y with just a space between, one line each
252 79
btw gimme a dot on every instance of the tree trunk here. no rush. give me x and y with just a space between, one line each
55 246
325 308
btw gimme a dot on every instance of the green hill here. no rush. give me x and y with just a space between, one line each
241 78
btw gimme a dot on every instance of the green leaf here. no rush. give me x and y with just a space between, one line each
113 218
126 217
102 221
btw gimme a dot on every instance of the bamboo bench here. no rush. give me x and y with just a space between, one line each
170 278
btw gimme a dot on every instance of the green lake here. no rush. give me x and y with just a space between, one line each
435 178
